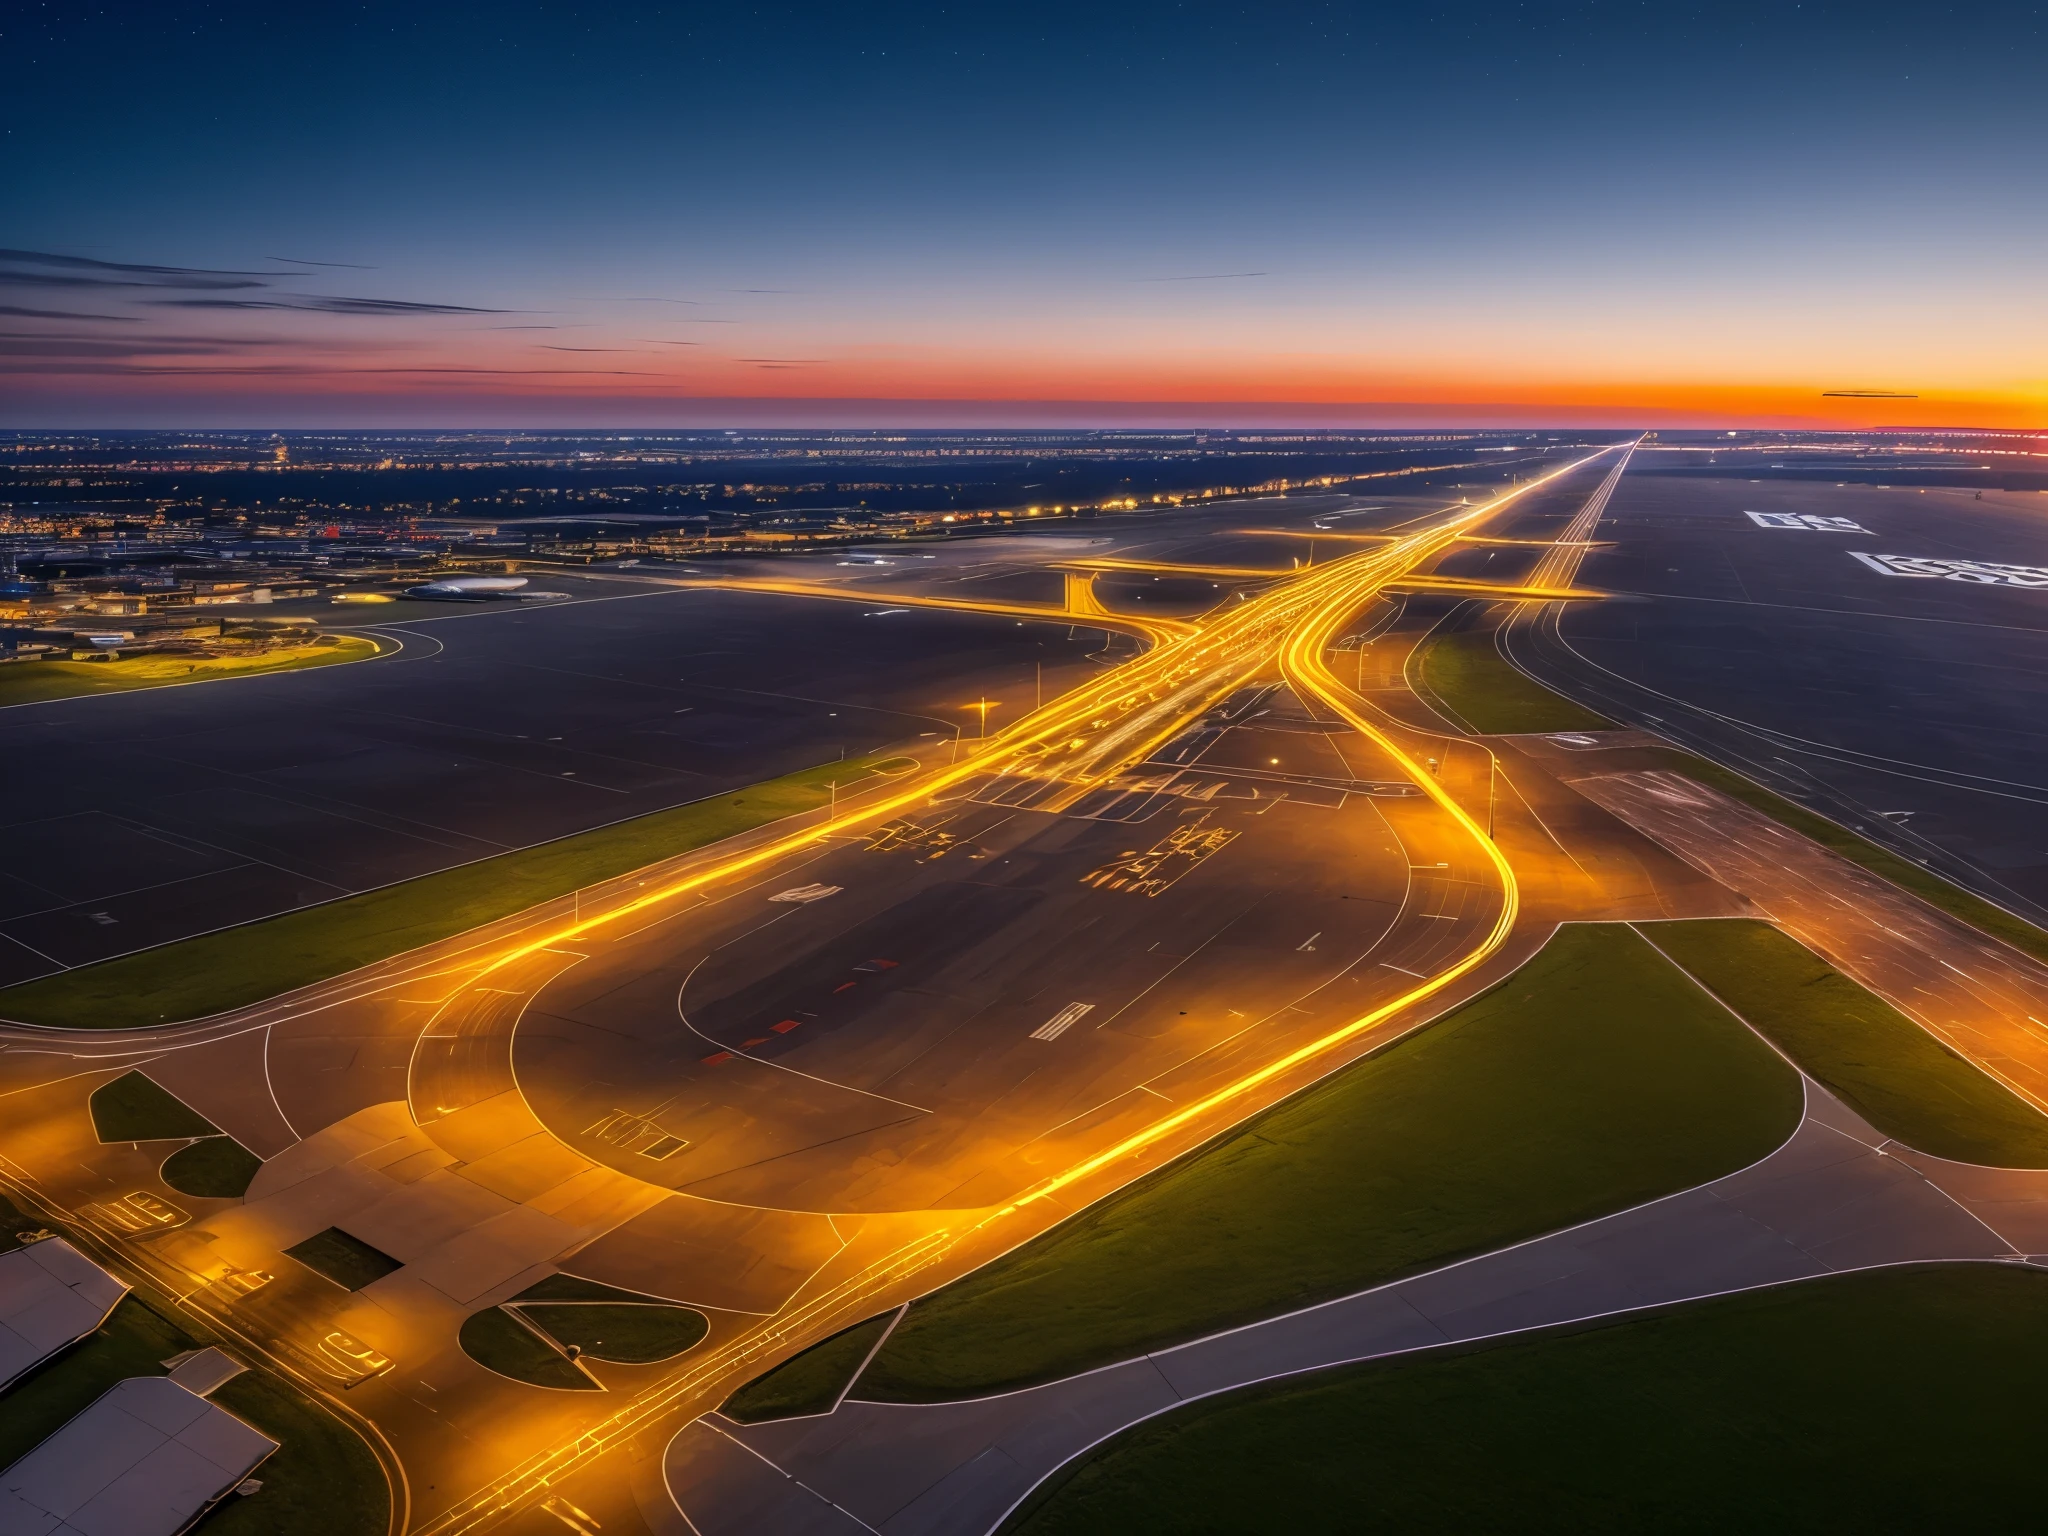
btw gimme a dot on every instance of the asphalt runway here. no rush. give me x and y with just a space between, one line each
1910 706
143 817
1033 978
970 985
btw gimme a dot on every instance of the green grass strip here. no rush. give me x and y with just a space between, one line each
237 966
13 1222
627 1334
347 1260
137 1108
217 1168
1496 698
38 682
1595 1077
1887 1401
322 1481
498 1341
810 1382
1486 691
1883 1065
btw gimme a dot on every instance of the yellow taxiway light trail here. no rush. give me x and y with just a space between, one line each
1313 534
1474 538
1301 661
1175 568
1180 679
1505 591
1311 609
1157 630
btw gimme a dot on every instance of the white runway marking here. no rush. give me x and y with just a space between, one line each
1805 522
1062 1021
1984 573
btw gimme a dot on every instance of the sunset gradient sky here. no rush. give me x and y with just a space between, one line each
437 214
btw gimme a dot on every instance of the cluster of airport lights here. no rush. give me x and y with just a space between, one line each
1295 622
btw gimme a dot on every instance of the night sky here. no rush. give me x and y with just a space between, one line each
520 214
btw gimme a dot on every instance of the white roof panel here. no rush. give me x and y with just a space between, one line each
145 1459
51 1296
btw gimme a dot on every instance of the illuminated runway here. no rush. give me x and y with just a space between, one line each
1027 971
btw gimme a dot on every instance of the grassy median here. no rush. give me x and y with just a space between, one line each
809 1382
629 1334
217 971
1482 688
1595 1077
213 1168
137 1108
1493 697
37 682
1888 1401
1883 1065
498 1341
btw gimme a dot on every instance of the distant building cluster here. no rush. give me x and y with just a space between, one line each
114 544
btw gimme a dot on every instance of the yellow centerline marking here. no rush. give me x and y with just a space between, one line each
1336 592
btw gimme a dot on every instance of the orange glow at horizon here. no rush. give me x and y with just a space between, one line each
1559 399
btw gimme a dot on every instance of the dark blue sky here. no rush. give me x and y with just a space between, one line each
1692 208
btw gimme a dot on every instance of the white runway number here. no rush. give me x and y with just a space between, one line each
1984 572
1805 522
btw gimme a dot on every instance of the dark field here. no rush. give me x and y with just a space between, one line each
140 818
1895 1400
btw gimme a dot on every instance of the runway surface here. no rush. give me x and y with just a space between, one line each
144 817
800 1077
996 986
1907 705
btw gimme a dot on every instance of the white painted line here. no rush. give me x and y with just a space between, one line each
1062 1021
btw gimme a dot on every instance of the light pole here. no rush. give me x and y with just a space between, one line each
984 705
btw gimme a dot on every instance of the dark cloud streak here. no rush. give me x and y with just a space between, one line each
15 279
11 257
23 312
295 371
321 304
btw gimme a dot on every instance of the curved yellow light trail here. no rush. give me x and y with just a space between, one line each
1160 631
1301 661
1108 563
1295 621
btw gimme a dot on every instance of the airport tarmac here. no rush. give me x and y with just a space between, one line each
1899 694
545 1095
1066 957
142 817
